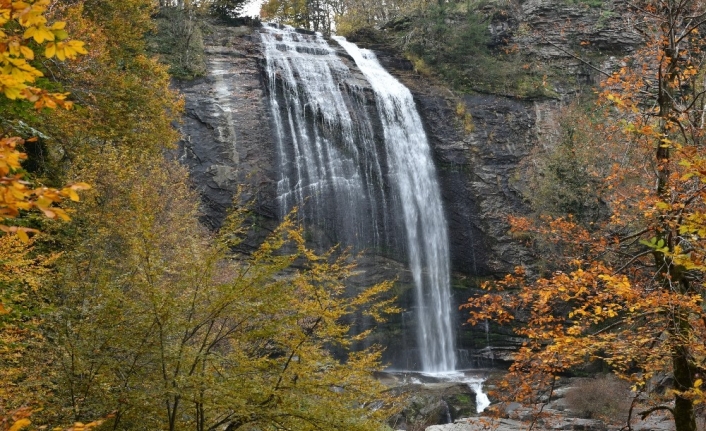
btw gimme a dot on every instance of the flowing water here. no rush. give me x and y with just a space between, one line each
328 164
427 236
334 169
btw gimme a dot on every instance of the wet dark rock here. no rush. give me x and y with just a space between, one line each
227 141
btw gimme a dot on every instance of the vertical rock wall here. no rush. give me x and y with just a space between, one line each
228 141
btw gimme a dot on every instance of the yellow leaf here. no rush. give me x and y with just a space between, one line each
22 235
12 93
81 186
27 53
78 46
42 34
20 424
69 52
698 383
50 50
29 32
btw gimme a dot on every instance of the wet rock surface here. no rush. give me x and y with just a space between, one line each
227 139
433 404
521 418
560 413
429 400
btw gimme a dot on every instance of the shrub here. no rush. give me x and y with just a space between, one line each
454 42
178 41
604 397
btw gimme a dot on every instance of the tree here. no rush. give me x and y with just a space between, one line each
296 13
23 22
24 31
170 331
220 8
325 15
152 317
226 8
629 291
124 102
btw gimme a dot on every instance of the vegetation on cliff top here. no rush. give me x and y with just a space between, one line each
450 40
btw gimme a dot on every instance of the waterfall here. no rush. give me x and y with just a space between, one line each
328 153
322 144
427 237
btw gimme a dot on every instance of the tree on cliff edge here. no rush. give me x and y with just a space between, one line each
629 290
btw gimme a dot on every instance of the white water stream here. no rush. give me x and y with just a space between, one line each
331 169
327 161
427 238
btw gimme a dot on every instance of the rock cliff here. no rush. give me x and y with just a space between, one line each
229 141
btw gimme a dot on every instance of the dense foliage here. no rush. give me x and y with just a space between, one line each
625 276
128 314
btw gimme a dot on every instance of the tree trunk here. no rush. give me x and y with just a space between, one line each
683 369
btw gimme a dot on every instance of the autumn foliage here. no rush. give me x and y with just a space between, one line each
130 314
628 288
21 23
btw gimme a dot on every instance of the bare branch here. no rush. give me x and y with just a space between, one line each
646 413
576 57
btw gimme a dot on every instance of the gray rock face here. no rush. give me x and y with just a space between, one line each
432 404
227 141
551 28
476 424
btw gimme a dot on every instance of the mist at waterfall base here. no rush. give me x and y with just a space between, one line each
355 186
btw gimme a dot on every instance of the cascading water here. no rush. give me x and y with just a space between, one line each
328 154
427 237
326 150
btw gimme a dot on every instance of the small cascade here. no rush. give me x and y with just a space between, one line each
427 238
487 342
482 400
447 412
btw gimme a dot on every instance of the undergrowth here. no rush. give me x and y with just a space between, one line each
453 41
178 41
604 397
